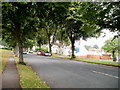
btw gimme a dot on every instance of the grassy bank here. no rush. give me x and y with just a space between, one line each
28 78
89 60
4 56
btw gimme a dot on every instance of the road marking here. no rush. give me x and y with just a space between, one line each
106 74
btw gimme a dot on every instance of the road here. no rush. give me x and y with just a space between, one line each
62 73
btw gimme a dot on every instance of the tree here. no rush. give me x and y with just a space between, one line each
28 44
77 25
51 15
105 15
62 37
41 38
18 22
112 47
109 17
8 40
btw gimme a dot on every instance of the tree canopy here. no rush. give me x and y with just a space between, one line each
25 23
18 22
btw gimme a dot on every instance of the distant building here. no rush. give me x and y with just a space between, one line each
80 51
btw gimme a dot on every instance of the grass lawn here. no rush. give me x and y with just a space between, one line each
4 56
89 60
28 78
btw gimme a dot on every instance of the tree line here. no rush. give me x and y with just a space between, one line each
27 23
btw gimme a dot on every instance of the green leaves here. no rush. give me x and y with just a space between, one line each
26 21
111 45
108 16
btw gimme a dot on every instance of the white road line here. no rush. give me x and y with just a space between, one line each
106 74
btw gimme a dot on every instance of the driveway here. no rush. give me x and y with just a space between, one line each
62 73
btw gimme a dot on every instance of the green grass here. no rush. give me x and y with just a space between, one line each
60 56
28 78
4 56
89 60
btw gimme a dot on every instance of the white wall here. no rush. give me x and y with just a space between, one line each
66 50
82 50
80 44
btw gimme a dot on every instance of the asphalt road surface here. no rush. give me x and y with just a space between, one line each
62 73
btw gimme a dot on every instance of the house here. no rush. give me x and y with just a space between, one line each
80 50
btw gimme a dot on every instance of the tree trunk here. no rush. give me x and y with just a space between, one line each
113 54
73 47
17 35
20 52
50 50
16 50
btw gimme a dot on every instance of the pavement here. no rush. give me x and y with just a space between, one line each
63 73
10 77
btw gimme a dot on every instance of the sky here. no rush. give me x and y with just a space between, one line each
100 40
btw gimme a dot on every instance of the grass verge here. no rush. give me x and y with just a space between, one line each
88 60
28 78
4 56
